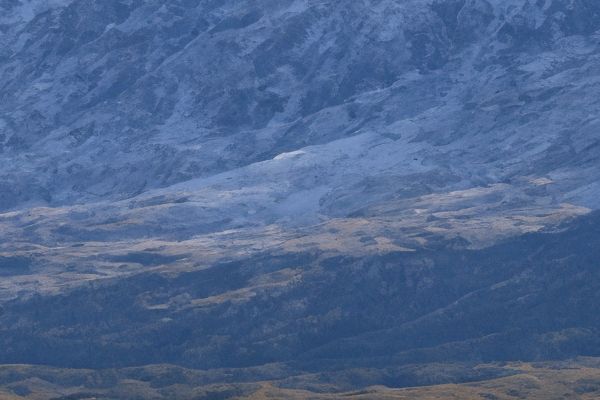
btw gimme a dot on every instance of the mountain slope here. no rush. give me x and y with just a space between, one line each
313 192
105 101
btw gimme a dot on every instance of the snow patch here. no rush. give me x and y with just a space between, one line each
290 155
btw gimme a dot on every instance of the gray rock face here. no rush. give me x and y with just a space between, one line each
105 101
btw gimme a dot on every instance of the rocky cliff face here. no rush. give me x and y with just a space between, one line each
109 100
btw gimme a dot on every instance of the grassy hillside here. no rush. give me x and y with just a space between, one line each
576 379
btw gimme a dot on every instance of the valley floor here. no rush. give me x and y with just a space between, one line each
575 379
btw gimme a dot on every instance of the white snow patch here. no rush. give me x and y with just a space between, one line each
290 155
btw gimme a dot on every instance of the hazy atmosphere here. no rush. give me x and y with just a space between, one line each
299 199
